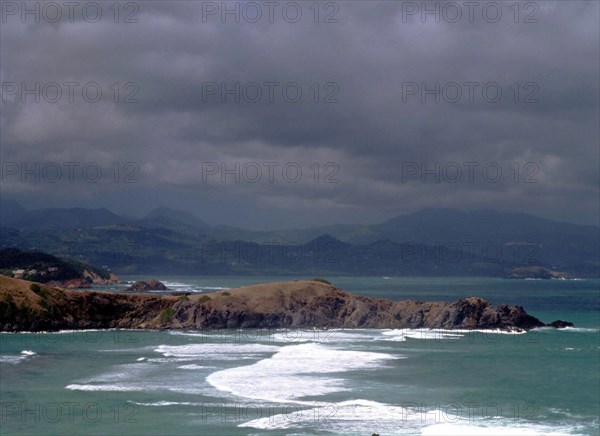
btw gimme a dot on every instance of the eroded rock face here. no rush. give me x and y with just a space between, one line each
301 304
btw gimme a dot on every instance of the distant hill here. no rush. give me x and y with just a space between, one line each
10 212
429 225
429 242
171 219
57 218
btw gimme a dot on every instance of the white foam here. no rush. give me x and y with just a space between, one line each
215 351
13 359
192 366
57 332
105 387
578 330
323 336
487 331
294 372
166 403
400 335
427 334
187 287
210 335
135 377
223 336
174 284
185 333
139 376
170 359
354 416
365 417
495 430
62 332
124 372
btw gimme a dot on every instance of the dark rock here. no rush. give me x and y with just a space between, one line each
148 285
559 324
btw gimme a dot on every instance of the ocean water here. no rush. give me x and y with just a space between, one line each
300 382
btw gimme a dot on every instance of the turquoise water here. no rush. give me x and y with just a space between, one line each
318 382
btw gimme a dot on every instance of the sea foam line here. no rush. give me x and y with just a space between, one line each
364 416
295 371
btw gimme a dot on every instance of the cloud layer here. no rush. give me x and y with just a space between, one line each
349 112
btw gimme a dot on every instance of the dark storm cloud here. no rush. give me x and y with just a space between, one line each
392 153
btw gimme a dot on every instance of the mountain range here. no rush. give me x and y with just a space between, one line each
430 241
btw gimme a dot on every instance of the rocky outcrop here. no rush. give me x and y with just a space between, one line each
87 279
148 285
299 304
559 324
333 308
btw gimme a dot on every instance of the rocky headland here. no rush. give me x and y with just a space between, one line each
26 306
52 271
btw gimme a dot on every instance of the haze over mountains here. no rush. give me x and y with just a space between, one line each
431 241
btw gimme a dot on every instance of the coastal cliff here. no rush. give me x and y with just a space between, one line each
26 306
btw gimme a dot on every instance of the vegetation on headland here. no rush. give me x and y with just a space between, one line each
45 268
167 314
25 306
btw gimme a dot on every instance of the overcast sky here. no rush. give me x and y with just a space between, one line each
331 112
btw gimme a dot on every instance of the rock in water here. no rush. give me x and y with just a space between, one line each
560 324
147 285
